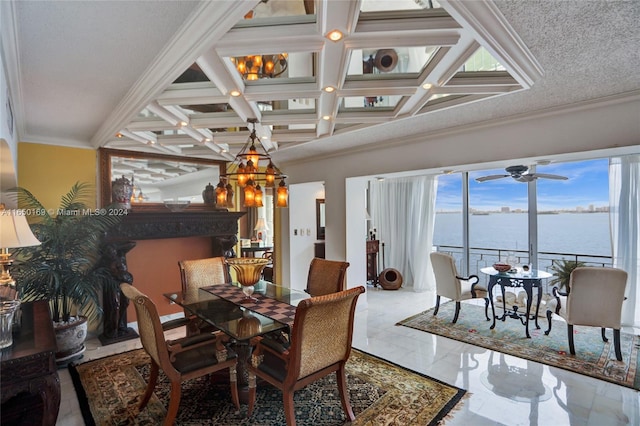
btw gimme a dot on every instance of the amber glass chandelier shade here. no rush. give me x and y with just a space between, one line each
258 197
270 176
282 199
252 156
221 194
249 195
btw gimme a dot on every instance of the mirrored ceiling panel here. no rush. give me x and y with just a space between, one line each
378 102
400 60
482 60
389 6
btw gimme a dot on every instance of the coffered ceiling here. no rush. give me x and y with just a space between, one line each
163 76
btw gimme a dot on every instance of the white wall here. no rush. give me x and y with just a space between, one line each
302 231
8 131
586 131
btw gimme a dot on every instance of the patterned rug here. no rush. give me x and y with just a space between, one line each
381 393
593 357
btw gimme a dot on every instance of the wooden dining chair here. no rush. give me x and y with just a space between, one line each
195 274
594 298
320 344
453 286
181 359
326 276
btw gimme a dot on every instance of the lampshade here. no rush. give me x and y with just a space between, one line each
15 231
261 225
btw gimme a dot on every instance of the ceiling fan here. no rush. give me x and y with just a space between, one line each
521 174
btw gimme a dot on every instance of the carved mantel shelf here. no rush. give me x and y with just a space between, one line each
156 225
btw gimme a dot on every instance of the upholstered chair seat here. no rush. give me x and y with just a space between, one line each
453 286
594 298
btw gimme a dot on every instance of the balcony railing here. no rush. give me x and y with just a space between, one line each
482 257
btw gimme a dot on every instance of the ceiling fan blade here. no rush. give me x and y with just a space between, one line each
490 177
548 176
526 177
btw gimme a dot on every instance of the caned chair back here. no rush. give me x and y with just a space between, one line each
445 271
322 332
149 326
326 276
202 273
595 297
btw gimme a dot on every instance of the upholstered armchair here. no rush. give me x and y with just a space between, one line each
195 274
594 298
452 286
320 344
181 359
326 276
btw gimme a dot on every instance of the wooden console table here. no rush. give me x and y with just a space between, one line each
30 385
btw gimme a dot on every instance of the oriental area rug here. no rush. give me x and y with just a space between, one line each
593 357
381 393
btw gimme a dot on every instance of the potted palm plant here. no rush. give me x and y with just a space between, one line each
65 269
562 269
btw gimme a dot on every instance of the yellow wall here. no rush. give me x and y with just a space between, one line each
48 171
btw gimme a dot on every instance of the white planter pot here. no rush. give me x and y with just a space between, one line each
70 338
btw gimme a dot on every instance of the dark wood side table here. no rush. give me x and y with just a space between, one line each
373 247
30 388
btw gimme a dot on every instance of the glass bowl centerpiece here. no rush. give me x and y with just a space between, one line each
248 270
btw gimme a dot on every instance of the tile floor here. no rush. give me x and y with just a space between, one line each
558 398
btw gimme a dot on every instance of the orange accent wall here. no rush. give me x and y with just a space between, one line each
154 266
49 171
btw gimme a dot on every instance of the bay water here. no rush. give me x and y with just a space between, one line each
566 234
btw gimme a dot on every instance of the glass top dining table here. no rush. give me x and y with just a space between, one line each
225 308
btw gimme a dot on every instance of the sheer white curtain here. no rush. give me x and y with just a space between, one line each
403 212
624 217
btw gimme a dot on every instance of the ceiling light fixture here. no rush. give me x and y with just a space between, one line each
255 67
245 169
329 89
335 35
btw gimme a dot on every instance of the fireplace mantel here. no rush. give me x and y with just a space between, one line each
221 226
156 225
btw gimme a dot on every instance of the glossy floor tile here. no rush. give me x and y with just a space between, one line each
523 393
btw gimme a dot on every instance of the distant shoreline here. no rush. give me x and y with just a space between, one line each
485 212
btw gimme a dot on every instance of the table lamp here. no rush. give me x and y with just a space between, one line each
261 228
14 232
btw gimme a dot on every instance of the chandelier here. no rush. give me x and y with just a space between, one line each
245 170
255 67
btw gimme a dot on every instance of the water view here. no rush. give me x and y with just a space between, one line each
493 237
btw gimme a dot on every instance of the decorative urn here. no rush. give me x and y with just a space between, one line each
209 195
121 191
248 271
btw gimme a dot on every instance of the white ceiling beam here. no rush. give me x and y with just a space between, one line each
192 94
484 21
261 40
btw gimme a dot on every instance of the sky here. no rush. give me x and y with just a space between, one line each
588 183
